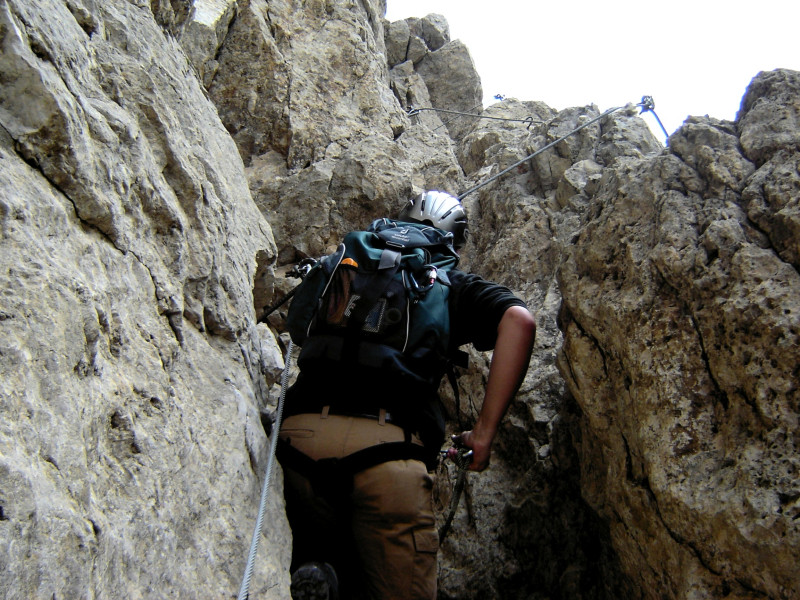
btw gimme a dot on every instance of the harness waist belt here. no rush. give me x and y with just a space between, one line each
332 477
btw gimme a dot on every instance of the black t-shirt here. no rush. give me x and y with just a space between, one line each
476 307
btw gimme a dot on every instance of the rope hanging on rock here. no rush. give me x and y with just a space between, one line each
244 590
446 123
645 104
539 151
412 112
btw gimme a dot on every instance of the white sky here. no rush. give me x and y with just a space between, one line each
694 57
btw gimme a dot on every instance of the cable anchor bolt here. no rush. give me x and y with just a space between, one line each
647 103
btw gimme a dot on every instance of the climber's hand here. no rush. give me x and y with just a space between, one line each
481 450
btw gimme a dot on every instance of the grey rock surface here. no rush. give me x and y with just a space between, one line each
681 323
131 445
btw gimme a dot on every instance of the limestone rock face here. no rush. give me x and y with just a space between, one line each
511 540
202 32
452 83
132 371
681 324
311 51
134 260
429 70
665 289
324 139
411 39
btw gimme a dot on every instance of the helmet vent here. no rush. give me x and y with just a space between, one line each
440 210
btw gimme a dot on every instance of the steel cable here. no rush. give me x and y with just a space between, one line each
244 590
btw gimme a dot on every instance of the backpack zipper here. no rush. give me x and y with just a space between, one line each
408 310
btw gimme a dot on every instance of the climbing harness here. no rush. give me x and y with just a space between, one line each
529 120
244 590
462 459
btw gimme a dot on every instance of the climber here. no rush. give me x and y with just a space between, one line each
364 425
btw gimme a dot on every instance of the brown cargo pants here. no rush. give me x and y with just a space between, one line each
380 535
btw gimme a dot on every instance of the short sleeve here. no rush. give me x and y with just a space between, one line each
476 308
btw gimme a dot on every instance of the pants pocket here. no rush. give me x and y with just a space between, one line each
426 540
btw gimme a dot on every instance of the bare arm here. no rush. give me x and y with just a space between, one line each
515 336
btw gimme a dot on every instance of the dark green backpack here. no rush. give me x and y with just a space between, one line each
380 300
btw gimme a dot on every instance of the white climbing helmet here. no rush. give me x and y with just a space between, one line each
441 210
